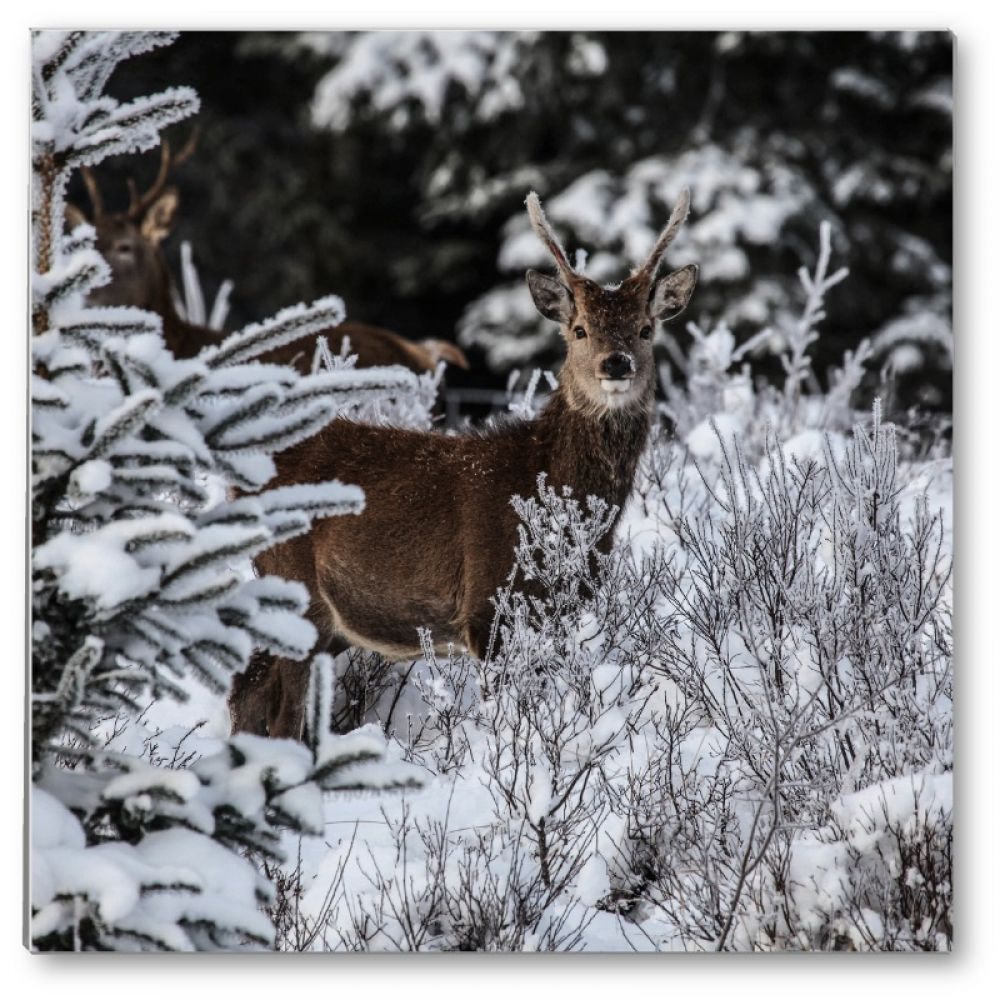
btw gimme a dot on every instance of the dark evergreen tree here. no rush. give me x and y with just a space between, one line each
393 166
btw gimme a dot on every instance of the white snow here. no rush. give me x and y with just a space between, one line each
391 68
99 565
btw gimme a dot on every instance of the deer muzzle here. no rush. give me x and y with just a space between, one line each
616 372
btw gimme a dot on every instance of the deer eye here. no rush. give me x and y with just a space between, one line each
646 332
579 332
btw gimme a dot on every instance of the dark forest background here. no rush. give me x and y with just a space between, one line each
402 206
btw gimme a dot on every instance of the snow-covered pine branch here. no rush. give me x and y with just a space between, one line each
138 573
129 856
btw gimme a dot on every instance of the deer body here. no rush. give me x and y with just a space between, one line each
437 535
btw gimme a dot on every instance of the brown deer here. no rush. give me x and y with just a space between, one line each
132 244
437 534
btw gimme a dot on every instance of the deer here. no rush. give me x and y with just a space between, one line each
132 243
437 534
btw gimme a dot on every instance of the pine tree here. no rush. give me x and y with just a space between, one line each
134 578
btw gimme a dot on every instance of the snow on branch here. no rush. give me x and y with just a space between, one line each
290 324
141 577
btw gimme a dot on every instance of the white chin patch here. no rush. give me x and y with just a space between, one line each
616 385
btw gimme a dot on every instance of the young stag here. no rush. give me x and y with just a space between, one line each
437 534
132 244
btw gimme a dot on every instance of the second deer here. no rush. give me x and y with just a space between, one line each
437 535
132 244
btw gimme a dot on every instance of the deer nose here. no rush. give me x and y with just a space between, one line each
617 365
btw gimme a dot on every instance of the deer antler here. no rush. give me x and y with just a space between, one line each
677 218
546 234
93 191
139 203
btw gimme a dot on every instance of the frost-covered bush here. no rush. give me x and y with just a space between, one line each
733 732
538 724
137 556
189 301
810 654
410 408
713 395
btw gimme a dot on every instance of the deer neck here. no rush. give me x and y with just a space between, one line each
594 452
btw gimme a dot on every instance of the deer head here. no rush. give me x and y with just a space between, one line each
130 241
609 329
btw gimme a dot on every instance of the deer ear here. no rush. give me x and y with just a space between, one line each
158 222
551 297
74 218
671 293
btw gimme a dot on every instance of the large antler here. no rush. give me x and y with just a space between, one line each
138 204
545 233
677 217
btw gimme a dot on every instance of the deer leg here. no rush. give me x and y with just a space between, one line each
287 704
250 695
268 698
289 685
477 635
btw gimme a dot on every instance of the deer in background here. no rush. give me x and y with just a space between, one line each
132 244
437 534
